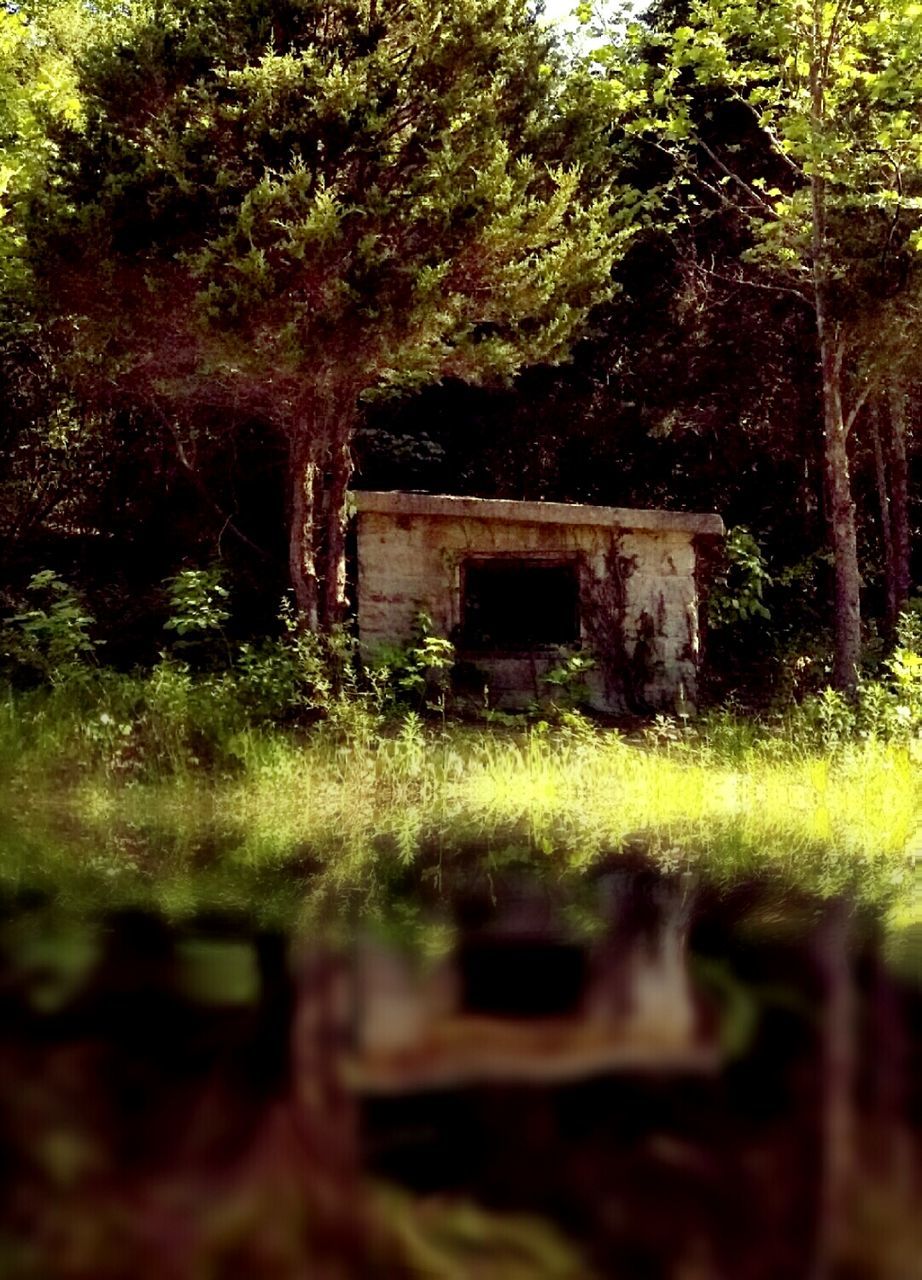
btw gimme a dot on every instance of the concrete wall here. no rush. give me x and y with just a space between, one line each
639 605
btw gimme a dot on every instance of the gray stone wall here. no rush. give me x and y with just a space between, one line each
638 596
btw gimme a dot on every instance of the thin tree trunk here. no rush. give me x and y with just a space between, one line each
842 507
886 525
843 534
302 561
335 517
899 500
324 1110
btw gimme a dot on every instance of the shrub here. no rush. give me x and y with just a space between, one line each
737 595
888 708
51 641
198 603
825 719
417 675
565 682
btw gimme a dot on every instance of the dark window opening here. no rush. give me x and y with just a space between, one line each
520 604
523 979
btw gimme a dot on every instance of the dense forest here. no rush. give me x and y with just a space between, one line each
254 253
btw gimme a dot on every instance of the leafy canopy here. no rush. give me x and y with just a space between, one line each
38 93
820 88
292 197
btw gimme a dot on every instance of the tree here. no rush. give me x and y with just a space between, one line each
41 455
285 208
828 95
38 90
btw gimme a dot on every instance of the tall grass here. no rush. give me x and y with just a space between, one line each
108 787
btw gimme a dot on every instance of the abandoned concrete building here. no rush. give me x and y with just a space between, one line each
513 583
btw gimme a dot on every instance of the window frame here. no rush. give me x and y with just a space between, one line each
537 559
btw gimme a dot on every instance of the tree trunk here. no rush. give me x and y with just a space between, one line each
324 1111
843 537
302 561
335 517
899 501
320 468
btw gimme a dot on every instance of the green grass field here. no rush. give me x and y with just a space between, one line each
728 800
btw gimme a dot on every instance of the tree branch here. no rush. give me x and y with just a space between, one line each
858 406
757 284
728 172
840 11
685 168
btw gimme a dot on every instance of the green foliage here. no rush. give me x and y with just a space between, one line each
328 203
892 708
827 719
278 681
198 610
198 603
760 55
52 640
888 708
422 675
189 712
761 798
419 674
666 732
727 733
565 682
792 129
38 94
822 174
738 595
909 627
301 676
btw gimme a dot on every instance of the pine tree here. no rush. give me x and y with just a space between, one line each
288 207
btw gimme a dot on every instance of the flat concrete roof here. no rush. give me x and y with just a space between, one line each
398 503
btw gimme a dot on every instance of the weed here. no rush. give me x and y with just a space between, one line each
50 639
738 594
565 682
419 674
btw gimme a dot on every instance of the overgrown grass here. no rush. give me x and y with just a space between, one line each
292 744
224 769
358 791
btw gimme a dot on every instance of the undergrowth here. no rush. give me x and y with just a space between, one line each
293 744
